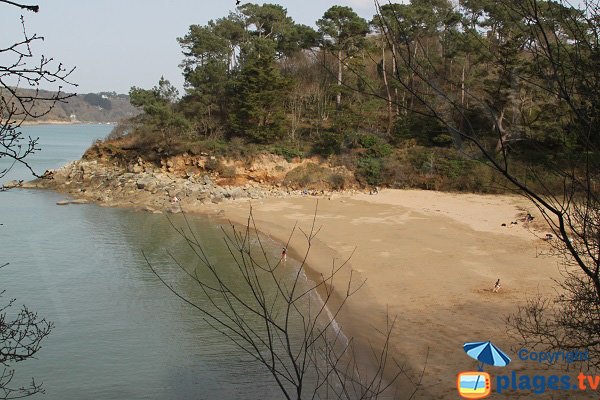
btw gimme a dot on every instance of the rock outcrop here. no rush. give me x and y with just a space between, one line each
148 187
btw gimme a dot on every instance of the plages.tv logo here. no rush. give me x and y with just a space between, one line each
477 384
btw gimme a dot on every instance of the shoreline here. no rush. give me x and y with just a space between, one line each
61 122
350 323
429 258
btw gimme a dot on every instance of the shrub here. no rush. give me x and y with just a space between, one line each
443 139
329 143
289 153
426 130
228 172
381 150
121 130
369 169
337 181
214 146
313 176
421 159
213 165
368 141
376 147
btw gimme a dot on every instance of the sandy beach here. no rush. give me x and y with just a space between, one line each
431 259
428 259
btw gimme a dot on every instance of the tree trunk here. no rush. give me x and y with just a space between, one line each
462 88
395 72
387 89
412 79
338 98
504 134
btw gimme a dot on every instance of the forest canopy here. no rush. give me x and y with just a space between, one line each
381 95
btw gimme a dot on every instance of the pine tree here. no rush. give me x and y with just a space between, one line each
258 94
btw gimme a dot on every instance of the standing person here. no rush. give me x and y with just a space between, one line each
284 254
497 286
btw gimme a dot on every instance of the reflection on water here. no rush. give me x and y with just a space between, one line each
120 334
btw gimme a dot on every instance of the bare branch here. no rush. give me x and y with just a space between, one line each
22 6
282 321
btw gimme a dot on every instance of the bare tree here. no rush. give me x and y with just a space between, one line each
568 322
535 51
22 331
285 323
20 339
21 99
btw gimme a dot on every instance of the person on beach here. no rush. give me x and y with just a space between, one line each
497 286
284 254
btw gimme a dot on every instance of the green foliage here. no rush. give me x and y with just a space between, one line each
328 143
287 152
252 87
369 168
375 146
161 116
367 141
342 29
215 146
271 21
257 106
370 165
426 130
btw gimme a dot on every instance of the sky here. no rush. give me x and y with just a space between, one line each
117 44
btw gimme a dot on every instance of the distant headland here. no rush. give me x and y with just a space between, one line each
103 107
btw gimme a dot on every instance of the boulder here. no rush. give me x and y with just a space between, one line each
207 180
172 191
203 196
12 184
147 183
237 193
254 194
80 201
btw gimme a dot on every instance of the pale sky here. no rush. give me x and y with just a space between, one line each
116 44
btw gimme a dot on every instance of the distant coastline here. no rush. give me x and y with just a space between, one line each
100 107
35 122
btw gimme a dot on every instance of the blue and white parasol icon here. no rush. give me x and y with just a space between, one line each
486 353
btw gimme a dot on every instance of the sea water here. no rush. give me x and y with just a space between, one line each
119 332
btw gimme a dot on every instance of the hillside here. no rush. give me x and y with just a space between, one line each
88 108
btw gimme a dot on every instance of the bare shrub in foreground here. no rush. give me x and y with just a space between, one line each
286 323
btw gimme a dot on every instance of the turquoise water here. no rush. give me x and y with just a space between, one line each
59 144
119 334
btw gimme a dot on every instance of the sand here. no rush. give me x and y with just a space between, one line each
428 258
